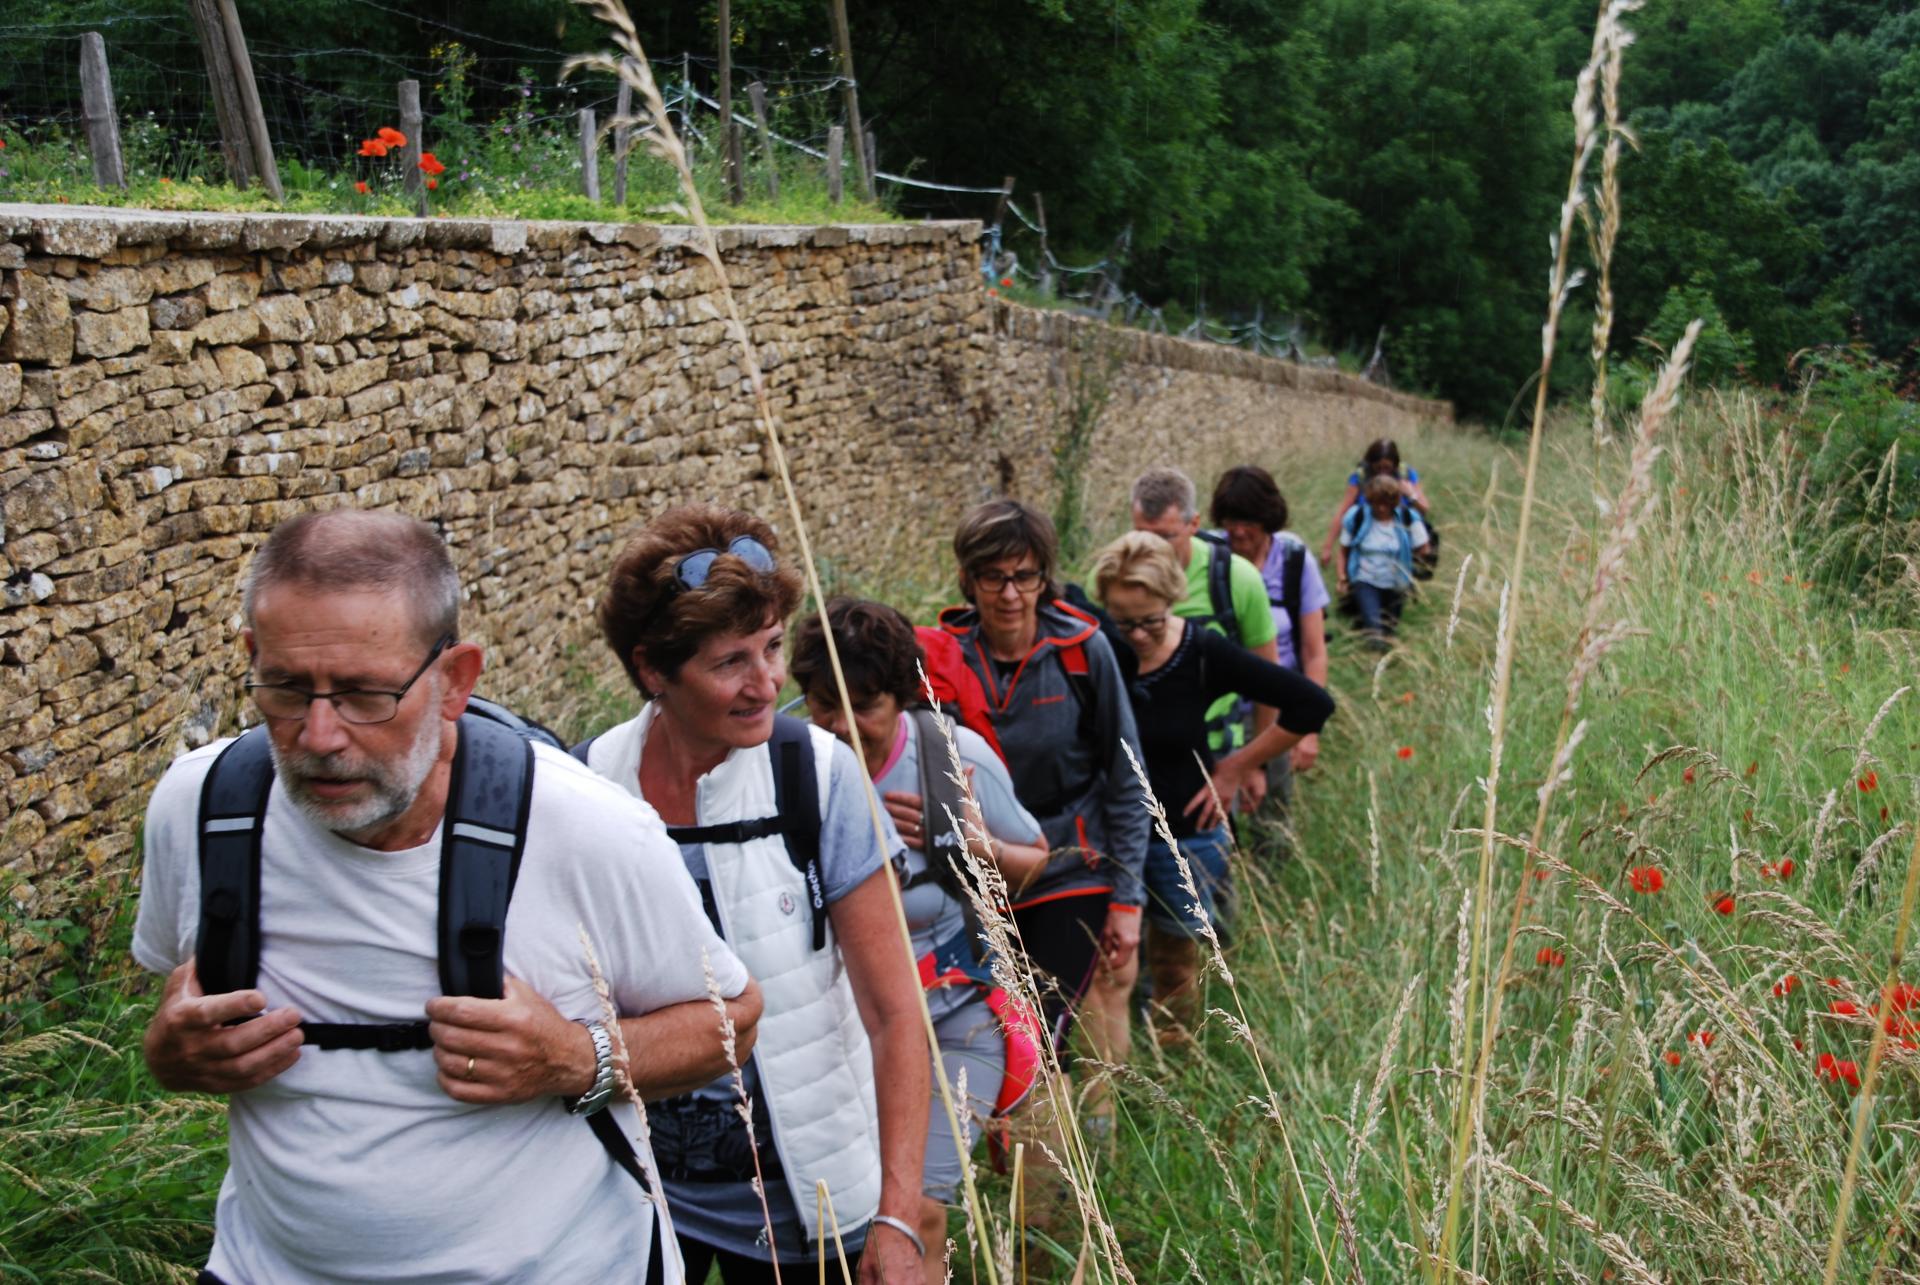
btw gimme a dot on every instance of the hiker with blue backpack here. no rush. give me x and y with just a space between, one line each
1382 551
1381 456
776 824
988 1039
1250 511
369 908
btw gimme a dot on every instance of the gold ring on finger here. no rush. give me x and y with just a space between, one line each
469 1068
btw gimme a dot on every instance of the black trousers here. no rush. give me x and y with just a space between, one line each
735 1269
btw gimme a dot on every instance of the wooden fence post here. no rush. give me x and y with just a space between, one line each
103 126
836 140
589 155
412 123
1046 255
622 136
757 94
255 117
849 90
235 147
873 164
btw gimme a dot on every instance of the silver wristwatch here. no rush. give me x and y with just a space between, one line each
602 1091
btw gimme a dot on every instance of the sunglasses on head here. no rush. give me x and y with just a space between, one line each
692 570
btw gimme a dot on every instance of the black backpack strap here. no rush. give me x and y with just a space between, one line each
796 802
583 749
482 839
1220 584
1293 569
233 812
940 795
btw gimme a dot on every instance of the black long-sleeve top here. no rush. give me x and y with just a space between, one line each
1170 710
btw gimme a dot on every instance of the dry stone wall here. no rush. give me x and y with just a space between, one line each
171 386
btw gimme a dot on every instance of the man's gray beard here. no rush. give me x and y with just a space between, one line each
395 785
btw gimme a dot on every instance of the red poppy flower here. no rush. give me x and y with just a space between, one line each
1844 1008
1006 281
1901 1027
1883 811
1753 767
1755 577
1542 874
1786 986
1548 957
1748 815
430 164
1869 783
1703 1038
361 187
991 290
1406 698
1901 997
1799 1045
1838 1069
372 147
1646 879
1845 668
1405 752
1673 1059
1786 868
1687 776
432 184
1723 904
390 136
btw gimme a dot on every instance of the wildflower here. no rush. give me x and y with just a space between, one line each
1754 577
1673 1058
1786 868
430 164
1405 752
1548 957
1900 1027
165 179
1541 874
1799 1045
1844 1008
1838 1069
1869 783
1703 1038
390 136
1883 816
1748 814
1006 281
1646 879
991 290
1687 776
1767 871
1723 904
432 184
1753 768
1406 698
372 147
1846 667
1901 997
1786 986
361 187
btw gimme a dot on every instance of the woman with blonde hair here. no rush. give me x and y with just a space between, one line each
1183 670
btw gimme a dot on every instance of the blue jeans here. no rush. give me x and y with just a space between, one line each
1379 608
1170 907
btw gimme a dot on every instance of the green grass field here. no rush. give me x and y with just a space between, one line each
1654 1109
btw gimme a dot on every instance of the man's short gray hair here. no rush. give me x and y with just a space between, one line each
1160 489
348 549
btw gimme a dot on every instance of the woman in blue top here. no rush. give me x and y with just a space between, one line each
1382 456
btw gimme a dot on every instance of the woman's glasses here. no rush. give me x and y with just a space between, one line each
1152 626
1026 580
691 571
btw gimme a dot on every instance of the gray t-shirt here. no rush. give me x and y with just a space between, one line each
932 913
701 1133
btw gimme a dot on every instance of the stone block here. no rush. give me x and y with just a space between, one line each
10 385
108 334
232 290
177 312
238 366
285 318
40 321
111 289
344 314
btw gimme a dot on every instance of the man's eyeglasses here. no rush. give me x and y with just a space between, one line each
1026 580
1144 625
288 703
692 570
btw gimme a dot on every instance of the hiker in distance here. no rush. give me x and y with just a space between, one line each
776 823
370 912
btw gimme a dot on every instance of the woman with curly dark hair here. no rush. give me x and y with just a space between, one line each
775 824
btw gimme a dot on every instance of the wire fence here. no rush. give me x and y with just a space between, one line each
507 115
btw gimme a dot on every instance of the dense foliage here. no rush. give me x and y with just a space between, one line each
1358 164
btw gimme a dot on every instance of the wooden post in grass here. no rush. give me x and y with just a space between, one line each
622 136
730 133
235 147
757 94
1046 255
849 91
836 140
411 124
873 164
96 107
589 155
251 112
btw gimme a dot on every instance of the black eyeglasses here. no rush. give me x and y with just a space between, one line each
691 571
1150 625
287 703
1026 580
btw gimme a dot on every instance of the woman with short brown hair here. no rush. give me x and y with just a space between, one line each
774 823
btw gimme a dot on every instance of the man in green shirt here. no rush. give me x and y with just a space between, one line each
1224 592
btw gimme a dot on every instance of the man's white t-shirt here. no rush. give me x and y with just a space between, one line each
355 1165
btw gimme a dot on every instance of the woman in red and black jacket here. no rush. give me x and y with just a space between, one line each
1060 709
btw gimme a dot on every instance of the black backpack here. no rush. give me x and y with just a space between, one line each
483 836
1293 570
796 813
1220 584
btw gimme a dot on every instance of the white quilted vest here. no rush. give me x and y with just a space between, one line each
816 1068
